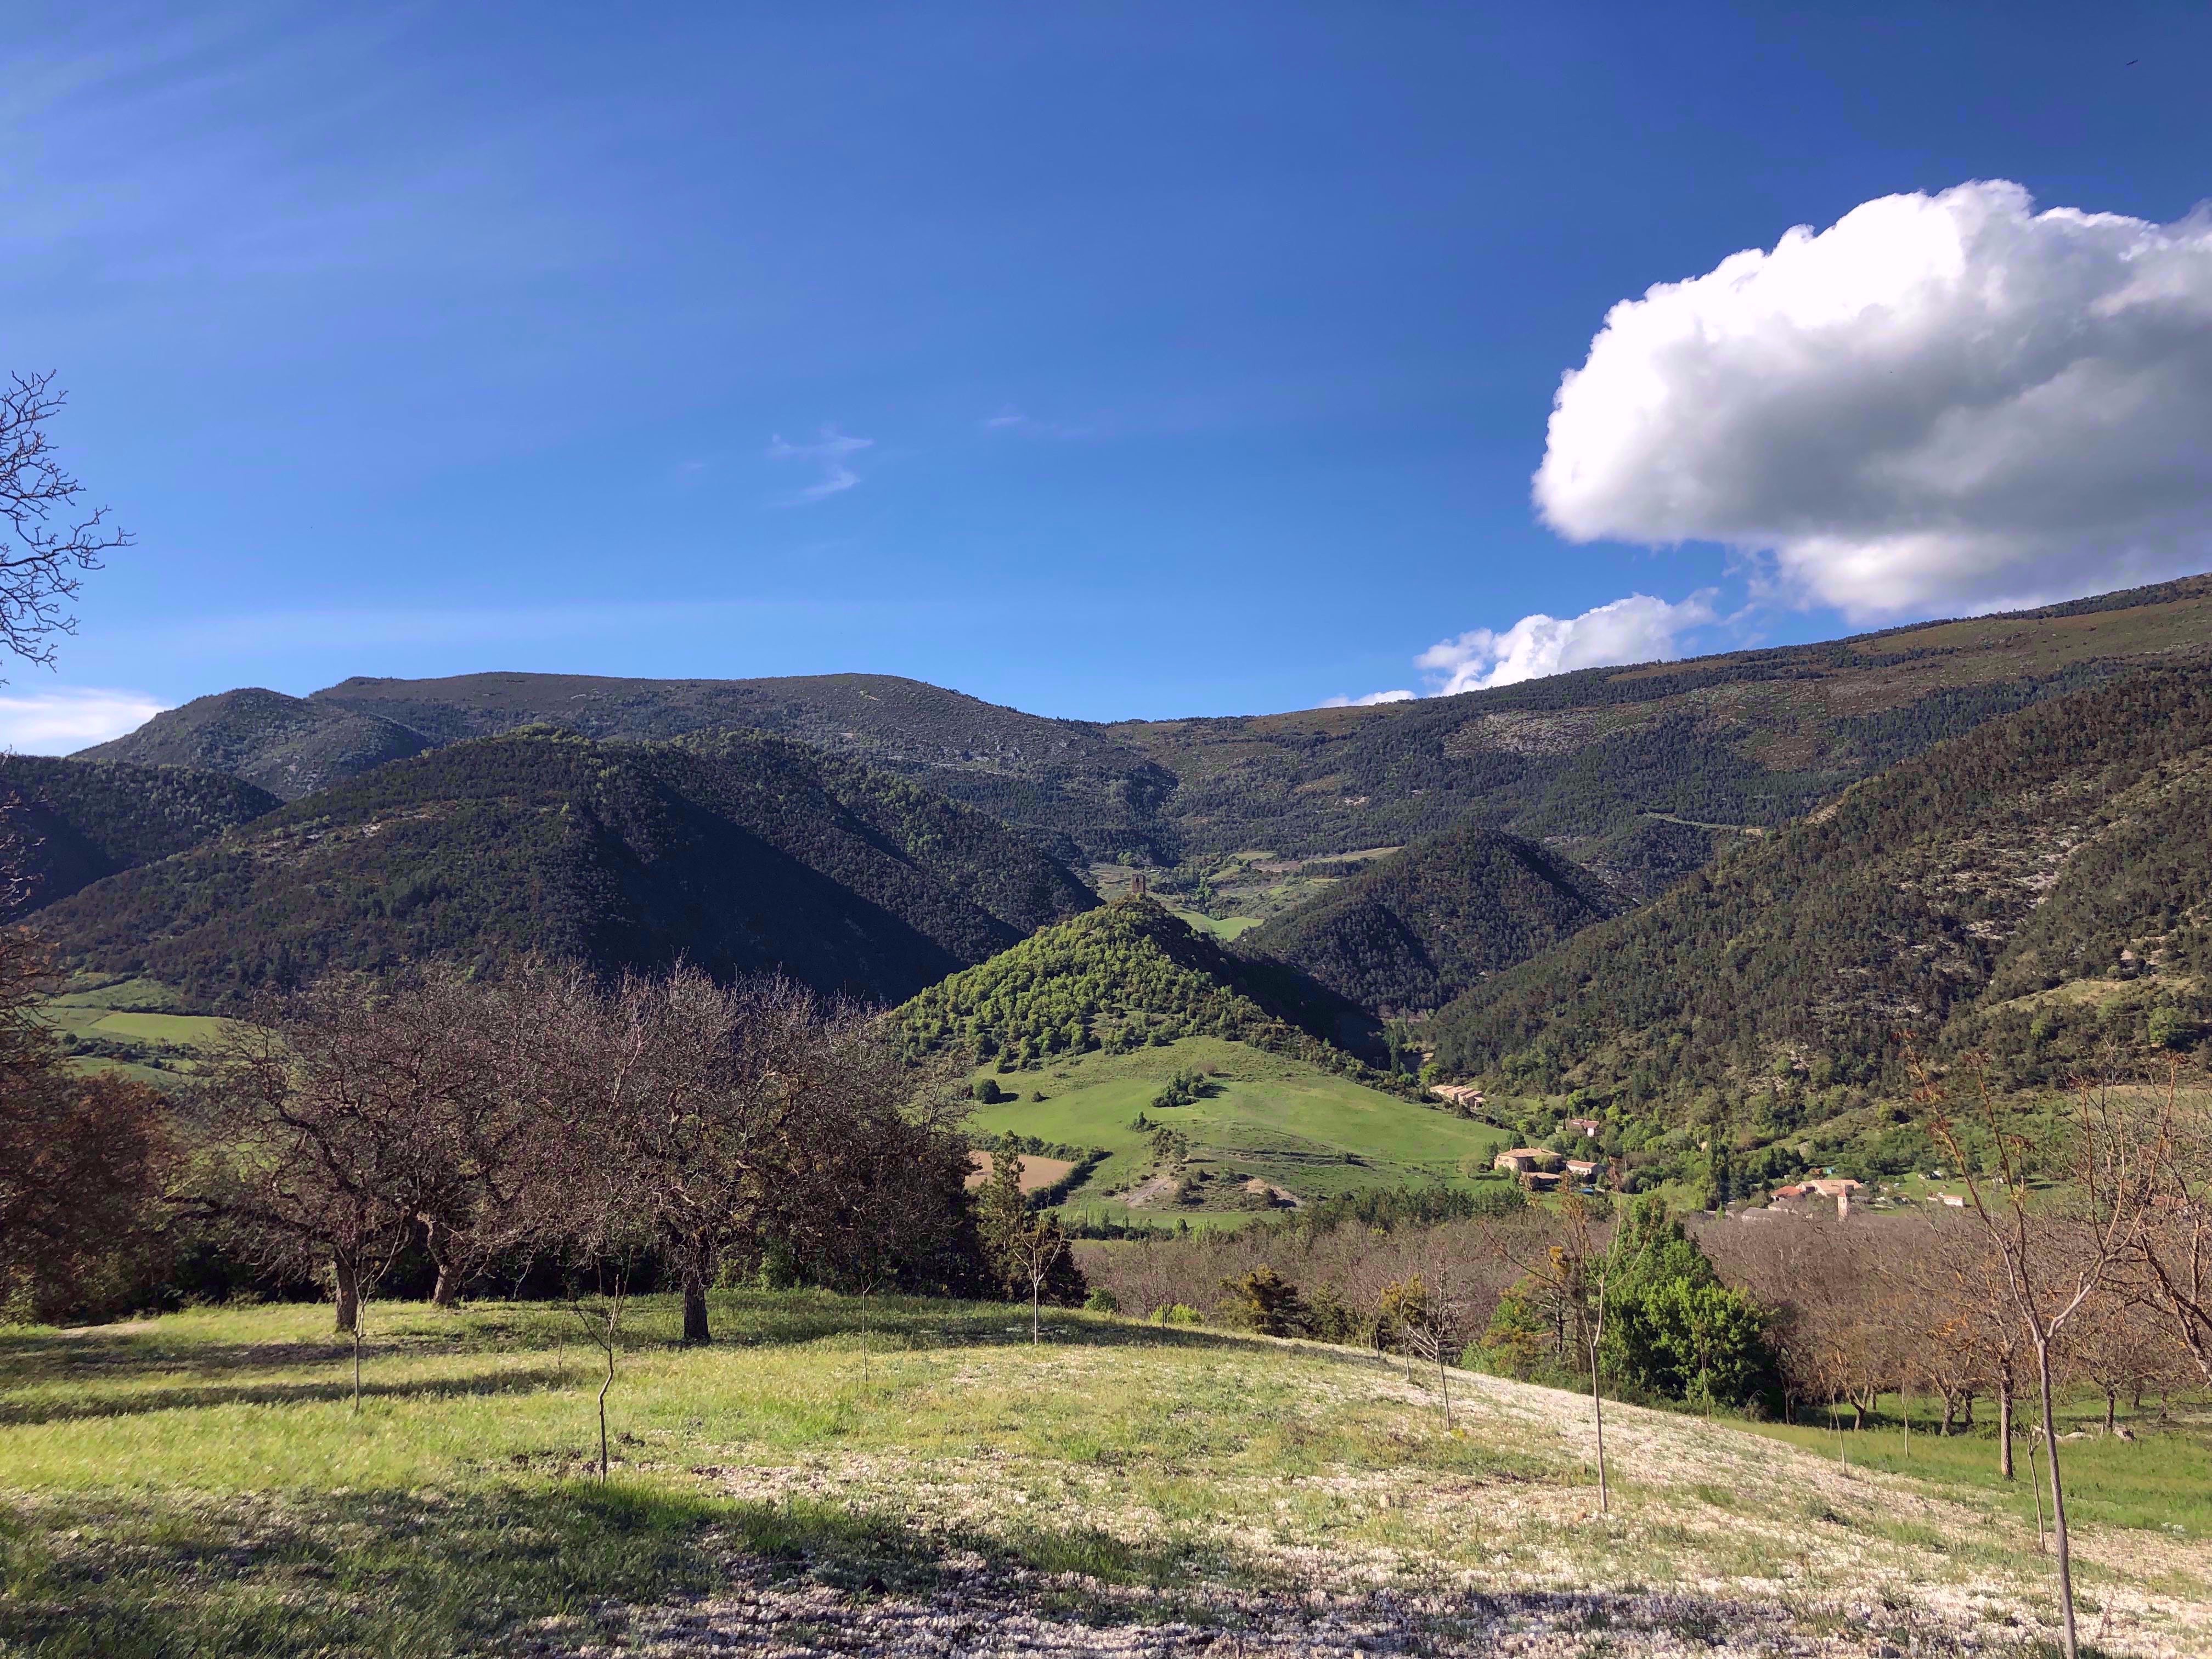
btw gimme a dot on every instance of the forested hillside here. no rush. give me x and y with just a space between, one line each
1123 976
1410 932
67 822
1639 774
2043 886
289 746
737 853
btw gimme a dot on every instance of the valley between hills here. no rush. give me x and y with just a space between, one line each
1669 896
1499 1173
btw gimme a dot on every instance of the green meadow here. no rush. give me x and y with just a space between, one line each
1267 1117
201 1484
130 1026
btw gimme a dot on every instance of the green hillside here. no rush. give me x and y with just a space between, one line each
1640 773
68 822
1127 976
738 853
1304 1133
2043 884
1582 761
1410 932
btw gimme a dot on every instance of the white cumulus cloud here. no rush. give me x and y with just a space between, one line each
828 453
1367 702
58 721
1939 401
1638 629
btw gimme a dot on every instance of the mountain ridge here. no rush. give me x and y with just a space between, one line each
1745 739
740 852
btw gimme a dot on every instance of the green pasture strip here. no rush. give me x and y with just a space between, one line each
2161 1480
1222 927
149 995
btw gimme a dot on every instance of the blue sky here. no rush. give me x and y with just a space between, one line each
1103 360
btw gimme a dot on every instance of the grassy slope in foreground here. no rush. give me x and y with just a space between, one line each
196 1483
1272 1117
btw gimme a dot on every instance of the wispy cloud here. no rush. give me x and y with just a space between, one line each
1014 422
1367 702
65 718
829 453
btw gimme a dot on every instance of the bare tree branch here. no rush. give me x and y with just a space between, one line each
45 537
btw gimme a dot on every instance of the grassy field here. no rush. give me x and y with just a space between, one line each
199 1485
1270 1118
1249 887
129 1025
2162 1481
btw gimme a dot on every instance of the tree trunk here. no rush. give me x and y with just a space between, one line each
1597 1414
1967 1422
438 1240
2057 1500
2111 1409
349 1293
695 1307
1945 1429
2004 1430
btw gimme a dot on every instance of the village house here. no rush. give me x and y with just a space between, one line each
1581 1168
1841 1189
1465 1096
1587 1128
1524 1160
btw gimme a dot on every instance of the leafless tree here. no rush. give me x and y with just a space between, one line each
878 1199
1571 1269
311 1176
2054 1258
80 1156
46 537
2174 1249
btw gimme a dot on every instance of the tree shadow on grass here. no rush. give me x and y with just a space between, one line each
192 1397
377 1572
410 1574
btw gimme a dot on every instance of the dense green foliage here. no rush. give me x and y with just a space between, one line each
1412 931
2066 842
1123 976
68 822
736 852
1667 1328
1672 1328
